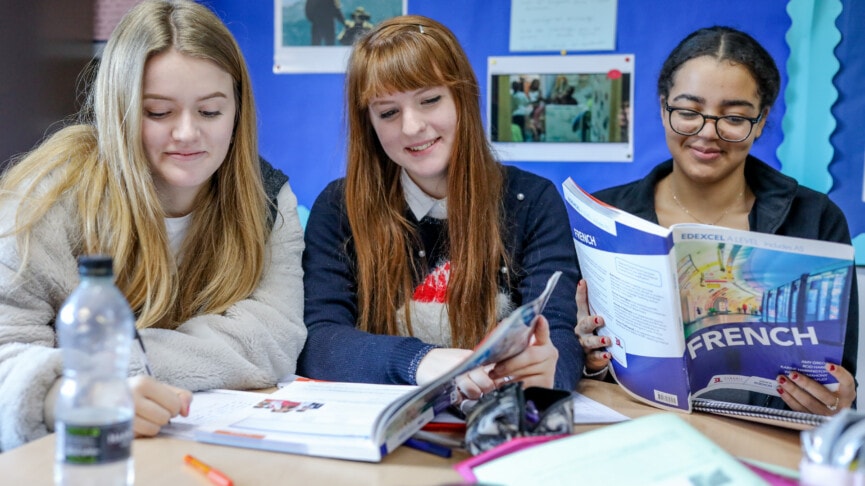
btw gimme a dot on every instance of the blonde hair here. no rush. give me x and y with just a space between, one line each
404 54
100 164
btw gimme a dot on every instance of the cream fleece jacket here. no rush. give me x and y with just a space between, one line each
251 345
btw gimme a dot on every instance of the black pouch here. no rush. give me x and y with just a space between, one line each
512 412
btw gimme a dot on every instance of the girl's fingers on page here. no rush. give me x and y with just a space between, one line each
806 395
144 428
789 399
597 360
538 359
149 416
846 385
587 326
185 397
582 298
541 336
595 349
473 384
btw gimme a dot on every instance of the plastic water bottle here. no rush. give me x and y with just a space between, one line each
94 411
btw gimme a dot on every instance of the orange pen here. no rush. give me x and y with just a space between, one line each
214 475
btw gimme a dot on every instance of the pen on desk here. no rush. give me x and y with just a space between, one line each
429 447
214 475
143 353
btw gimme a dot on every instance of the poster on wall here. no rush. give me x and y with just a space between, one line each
315 36
556 25
561 108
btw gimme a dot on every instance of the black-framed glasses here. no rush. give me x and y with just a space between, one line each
730 128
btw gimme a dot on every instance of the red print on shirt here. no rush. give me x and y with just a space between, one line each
434 288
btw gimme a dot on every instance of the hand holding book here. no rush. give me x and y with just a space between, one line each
597 357
804 394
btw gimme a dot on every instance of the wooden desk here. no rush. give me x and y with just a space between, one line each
160 460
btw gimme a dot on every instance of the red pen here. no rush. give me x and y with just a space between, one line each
214 475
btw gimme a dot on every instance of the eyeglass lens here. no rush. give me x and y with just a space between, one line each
729 128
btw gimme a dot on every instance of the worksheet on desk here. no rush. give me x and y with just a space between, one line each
588 411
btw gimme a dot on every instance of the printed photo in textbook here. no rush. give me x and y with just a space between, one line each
696 308
361 421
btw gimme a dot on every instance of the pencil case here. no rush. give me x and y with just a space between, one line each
512 412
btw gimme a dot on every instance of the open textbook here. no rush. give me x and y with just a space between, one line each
357 421
696 308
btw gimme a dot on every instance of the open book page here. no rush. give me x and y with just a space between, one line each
361 421
309 417
321 409
653 450
208 406
632 285
756 305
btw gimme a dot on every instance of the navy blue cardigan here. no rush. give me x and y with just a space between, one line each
537 236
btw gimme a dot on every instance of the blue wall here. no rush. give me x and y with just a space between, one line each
301 115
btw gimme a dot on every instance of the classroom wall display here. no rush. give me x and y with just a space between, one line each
847 167
570 25
302 127
315 36
560 108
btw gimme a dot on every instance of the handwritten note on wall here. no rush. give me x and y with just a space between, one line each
556 25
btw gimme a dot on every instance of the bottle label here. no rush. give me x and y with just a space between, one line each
95 444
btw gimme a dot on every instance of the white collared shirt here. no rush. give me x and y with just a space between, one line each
421 203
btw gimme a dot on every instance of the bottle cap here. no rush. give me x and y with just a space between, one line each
95 266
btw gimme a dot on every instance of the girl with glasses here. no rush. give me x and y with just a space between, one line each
715 91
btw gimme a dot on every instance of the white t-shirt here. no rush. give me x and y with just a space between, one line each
176 229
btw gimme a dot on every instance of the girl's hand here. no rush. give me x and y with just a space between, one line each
155 404
803 394
471 385
535 365
597 357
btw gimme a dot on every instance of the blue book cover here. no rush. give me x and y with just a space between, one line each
698 308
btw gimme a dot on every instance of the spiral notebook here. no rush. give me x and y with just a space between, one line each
783 418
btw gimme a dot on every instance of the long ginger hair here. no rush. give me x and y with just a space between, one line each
404 54
99 165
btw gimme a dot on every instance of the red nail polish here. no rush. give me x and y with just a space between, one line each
597 320
782 380
831 367
794 376
606 356
780 390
